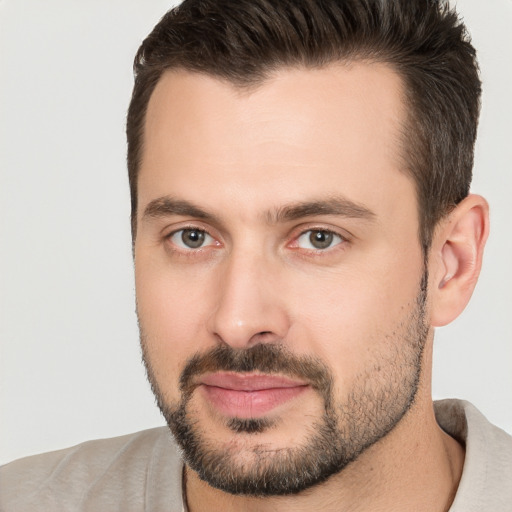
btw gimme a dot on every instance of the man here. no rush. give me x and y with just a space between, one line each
301 222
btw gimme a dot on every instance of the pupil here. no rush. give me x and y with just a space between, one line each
192 238
320 239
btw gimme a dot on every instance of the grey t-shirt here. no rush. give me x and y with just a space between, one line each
143 471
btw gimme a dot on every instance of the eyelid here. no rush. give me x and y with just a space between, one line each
308 235
304 229
206 242
298 231
169 232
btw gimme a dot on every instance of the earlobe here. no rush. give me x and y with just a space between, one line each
457 252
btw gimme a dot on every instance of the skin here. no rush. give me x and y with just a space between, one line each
243 156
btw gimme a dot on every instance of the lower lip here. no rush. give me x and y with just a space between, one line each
249 404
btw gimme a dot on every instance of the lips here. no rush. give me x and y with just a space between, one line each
249 395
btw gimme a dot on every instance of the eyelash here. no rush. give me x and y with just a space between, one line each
190 252
318 251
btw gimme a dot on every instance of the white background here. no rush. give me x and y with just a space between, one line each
69 361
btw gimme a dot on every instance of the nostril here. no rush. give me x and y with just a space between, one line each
264 337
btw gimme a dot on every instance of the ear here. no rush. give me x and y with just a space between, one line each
456 258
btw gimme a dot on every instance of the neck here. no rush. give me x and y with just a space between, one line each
415 467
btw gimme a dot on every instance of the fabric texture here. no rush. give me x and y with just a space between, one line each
143 471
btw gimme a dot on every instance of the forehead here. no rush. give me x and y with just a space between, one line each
335 129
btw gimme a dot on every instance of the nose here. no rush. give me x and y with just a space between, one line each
249 308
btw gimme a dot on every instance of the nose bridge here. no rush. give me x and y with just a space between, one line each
248 307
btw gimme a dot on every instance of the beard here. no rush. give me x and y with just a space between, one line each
379 398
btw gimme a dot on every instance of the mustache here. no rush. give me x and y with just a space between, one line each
268 358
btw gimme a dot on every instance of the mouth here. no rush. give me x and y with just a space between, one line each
243 395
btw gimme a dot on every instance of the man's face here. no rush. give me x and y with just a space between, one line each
280 281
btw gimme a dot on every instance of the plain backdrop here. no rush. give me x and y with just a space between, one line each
70 361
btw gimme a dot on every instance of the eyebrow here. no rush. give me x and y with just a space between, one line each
339 206
168 206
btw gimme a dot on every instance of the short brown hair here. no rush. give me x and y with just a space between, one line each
244 41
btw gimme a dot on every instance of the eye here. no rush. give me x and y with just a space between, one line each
191 238
318 239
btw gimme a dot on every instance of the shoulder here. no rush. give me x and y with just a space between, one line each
88 476
487 471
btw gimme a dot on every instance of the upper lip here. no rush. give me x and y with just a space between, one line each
249 381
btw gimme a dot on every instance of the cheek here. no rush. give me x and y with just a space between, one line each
169 299
351 317
172 314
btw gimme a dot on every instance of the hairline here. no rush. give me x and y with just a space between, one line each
250 84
